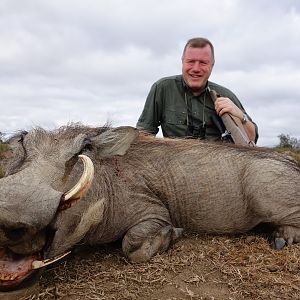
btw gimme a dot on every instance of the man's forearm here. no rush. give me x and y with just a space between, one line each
250 130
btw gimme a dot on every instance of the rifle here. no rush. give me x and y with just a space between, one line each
233 125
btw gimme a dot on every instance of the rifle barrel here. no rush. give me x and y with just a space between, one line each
233 126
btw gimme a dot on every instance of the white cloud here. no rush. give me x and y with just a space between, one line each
94 60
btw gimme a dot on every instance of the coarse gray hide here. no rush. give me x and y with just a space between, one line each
144 191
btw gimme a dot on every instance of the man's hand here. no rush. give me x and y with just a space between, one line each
225 105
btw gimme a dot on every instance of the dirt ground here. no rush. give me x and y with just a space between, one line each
196 267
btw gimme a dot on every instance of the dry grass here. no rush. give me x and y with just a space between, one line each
2 172
294 153
197 267
4 153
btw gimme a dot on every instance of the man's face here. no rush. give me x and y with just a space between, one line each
197 64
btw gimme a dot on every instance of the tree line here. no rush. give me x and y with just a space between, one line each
286 141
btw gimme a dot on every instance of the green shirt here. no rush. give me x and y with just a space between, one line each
172 105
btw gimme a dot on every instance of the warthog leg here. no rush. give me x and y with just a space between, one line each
286 235
147 239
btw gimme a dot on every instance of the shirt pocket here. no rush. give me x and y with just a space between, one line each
175 117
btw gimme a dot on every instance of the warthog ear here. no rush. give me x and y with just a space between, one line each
115 141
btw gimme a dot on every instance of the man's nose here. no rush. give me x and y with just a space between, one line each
196 66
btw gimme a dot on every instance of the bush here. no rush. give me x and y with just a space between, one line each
290 146
286 141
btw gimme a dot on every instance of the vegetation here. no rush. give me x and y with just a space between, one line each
286 141
1 170
289 145
3 150
3 147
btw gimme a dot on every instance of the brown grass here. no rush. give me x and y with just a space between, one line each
294 153
4 148
197 267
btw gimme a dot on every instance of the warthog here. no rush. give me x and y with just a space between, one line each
141 189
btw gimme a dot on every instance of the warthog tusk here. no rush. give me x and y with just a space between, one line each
37 264
84 182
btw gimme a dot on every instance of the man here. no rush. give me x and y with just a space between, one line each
182 104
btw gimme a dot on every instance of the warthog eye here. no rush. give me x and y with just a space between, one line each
15 234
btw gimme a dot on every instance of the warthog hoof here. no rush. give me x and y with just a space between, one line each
279 243
286 235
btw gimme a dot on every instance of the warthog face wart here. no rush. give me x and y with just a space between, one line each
135 187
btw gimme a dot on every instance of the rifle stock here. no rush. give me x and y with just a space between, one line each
234 126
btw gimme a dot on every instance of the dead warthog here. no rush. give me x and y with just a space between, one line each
136 188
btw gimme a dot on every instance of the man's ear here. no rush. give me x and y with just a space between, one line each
115 141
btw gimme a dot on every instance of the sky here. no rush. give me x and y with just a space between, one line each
94 61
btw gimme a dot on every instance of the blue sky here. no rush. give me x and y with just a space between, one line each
94 61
